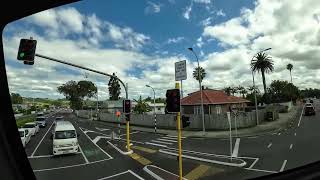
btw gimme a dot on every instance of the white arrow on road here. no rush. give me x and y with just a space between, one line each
102 129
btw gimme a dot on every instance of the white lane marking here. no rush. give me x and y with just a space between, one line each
102 129
252 137
300 116
154 144
125 172
261 170
157 177
119 150
270 144
279 134
97 145
295 134
96 139
243 163
84 157
176 136
161 142
41 140
291 146
236 148
46 156
130 133
70 166
283 165
254 162
167 140
170 138
86 131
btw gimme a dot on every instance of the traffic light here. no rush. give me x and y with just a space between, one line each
27 50
185 121
126 106
173 100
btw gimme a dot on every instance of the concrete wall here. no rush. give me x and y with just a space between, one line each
168 121
83 113
289 104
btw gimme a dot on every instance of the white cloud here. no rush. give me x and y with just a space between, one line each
206 21
187 12
175 40
202 1
152 8
220 13
200 42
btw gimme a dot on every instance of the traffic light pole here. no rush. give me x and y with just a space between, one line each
179 139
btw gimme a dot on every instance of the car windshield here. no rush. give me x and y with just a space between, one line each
29 126
21 133
65 134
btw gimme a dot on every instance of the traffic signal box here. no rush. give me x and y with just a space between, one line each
127 108
27 50
172 101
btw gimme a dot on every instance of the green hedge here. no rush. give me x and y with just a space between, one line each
22 121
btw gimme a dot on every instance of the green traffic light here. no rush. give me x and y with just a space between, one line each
21 55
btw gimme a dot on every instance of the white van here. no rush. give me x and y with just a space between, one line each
64 137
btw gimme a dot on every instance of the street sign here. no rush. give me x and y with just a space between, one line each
180 70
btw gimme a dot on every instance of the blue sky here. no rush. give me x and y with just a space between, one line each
141 40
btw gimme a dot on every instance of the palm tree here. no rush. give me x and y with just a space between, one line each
202 74
234 90
290 67
141 106
227 90
264 64
243 92
252 89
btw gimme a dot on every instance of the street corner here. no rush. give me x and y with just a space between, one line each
121 146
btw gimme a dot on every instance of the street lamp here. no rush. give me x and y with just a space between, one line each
202 112
254 87
154 108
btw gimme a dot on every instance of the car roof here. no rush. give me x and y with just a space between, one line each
64 125
21 129
30 123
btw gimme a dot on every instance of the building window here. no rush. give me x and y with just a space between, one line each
218 109
197 109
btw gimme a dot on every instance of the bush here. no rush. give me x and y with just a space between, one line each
23 121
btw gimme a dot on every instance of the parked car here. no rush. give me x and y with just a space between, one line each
25 136
65 138
309 109
39 114
41 121
32 127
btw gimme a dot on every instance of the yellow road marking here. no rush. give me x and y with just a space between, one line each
144 149
197 172
140 159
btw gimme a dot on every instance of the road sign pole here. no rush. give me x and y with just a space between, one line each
229 120
179 139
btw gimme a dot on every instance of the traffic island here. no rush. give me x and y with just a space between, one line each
209 158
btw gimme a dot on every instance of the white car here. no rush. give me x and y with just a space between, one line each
25 136
32 127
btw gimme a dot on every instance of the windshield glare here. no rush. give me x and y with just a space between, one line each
65 134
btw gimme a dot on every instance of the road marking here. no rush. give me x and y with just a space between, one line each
236 148
168 143
261 170
136 175
254 162
45 156
167 140
119 174
130 133
119 150
157 177
102 129
182 137
140 159
295 134
41 140
206 160
270 144
85 158
144 149
154 144
86 131
252 137
170 138
291 146
197 172
96 139
283 165
97 145
300 116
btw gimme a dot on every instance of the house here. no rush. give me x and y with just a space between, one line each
160 107
214 101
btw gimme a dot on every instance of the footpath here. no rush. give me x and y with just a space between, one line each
284 122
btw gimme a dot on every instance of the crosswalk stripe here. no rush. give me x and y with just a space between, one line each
175 136
154 144
166 140
169 143
170 138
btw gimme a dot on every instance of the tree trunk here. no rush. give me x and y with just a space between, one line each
291 76
264 82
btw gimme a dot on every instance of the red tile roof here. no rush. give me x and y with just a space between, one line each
211 97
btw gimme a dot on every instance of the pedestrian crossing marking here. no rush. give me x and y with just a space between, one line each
140 159
197 172
144 149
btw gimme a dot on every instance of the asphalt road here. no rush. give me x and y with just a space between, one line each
102 157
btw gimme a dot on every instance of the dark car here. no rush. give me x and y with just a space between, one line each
309 110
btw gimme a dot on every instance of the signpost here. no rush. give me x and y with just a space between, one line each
181 72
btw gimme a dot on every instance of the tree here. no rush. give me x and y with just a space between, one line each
227 90
264 64
114 88
149 99
75 92
234 90
16 98
141 106
57 103
160 100
282 91
290 67
202 74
